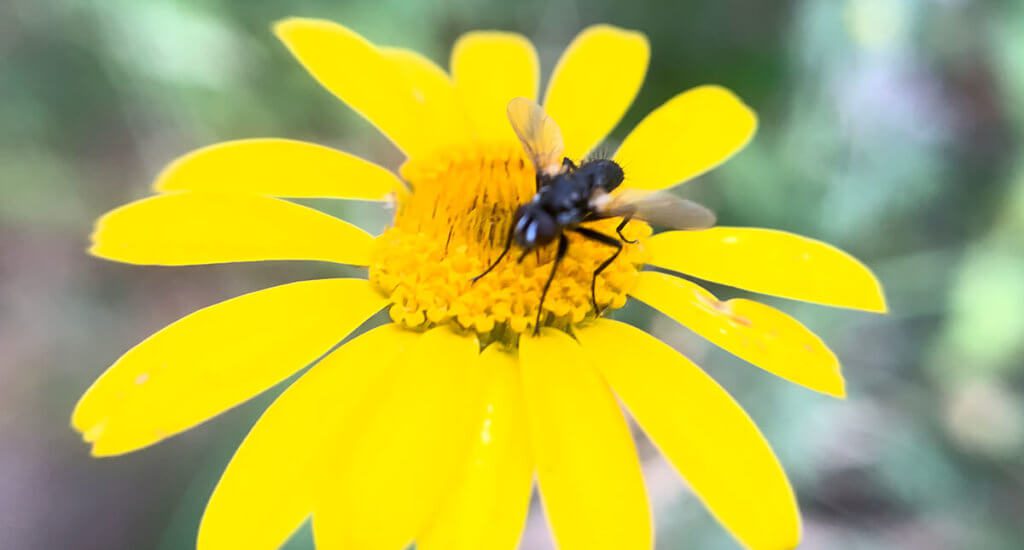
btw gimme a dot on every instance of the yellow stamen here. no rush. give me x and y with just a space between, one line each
454 223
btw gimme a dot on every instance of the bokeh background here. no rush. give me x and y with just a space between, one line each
890 128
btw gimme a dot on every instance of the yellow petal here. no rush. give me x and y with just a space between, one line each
487 508
264 494
490 68
594 84
382 487
690 134
706 436
355 71
280 168
770 262
752 331
434 92
216 358
587 467
190 228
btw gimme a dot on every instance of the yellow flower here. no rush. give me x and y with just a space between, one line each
431 428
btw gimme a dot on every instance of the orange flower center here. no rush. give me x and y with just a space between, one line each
455 223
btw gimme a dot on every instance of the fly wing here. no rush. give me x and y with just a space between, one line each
541 137
659 208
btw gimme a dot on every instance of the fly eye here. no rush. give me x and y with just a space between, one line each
546 227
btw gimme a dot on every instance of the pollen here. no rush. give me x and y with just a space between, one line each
454 223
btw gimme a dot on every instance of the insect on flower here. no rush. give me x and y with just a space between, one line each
437 427
570 196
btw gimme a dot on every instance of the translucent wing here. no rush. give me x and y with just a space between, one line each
659 208
541 137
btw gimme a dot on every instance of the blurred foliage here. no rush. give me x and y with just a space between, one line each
891 128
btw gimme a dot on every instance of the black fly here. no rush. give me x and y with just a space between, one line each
570 196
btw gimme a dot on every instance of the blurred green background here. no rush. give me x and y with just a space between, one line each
890 128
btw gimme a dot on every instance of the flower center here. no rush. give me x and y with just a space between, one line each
455 223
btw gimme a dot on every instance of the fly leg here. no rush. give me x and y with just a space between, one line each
508 245
622 225
627 214
563 247
606 240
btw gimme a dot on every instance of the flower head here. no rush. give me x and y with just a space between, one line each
432 428
455 223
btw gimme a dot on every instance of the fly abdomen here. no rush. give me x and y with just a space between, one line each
602 174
